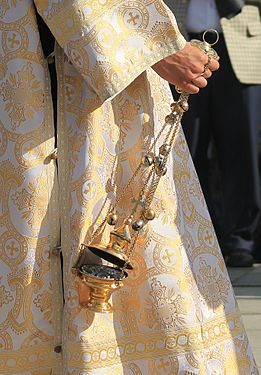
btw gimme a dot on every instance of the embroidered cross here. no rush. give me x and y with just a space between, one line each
168 255
12 248
13 41
89 189
133 18
105 38
163 365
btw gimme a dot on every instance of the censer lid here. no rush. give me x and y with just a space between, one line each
116 251
111 255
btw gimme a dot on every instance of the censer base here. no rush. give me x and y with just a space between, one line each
101 307
101 281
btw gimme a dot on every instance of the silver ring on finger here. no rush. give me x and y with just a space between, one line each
205 68
207 72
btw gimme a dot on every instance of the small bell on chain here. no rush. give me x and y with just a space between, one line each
149 214
112 218
161 171
184 105
138 225
164 149
148 159
172 118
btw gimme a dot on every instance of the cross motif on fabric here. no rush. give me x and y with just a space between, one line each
163 365
89 188
12 248
168 255
13 41
106 38
133 18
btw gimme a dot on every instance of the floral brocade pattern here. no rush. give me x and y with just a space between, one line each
176 313
31 203
23 95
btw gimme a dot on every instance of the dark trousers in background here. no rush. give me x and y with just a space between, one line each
229 113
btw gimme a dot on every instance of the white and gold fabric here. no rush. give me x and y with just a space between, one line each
176 313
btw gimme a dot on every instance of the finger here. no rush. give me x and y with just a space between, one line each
191 88
199 81
207 73
198 67
213 65
188 87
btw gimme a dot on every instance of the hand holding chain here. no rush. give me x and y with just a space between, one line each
206 47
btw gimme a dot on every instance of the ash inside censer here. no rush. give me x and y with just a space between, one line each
103 272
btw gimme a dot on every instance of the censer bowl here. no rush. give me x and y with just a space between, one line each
102 282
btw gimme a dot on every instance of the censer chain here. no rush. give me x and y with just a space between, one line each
173 120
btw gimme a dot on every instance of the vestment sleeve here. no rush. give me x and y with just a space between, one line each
111 42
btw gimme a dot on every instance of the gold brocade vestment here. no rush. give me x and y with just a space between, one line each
176 313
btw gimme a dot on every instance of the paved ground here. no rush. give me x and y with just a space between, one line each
247 286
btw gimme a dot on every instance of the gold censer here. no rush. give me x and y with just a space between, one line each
99 281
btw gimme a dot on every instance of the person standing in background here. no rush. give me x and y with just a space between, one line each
229 113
